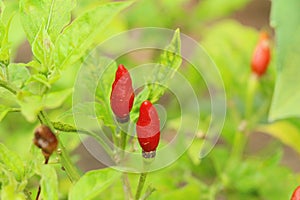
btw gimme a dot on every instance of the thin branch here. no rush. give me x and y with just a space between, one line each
140 185
9 87
148 192
69 167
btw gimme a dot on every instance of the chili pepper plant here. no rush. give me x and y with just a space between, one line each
46 153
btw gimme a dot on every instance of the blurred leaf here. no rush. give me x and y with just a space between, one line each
260 179
9 186
42 47
96 101
7 98
103 110
41 79
18 74
56 99
93 183
54 14
285 19
3 111
189 191
12 161
34 160
4 29
153 12
79 36
230 44
213 9
169 62
49 183
91 111
2 7
194 151
30 105
284 131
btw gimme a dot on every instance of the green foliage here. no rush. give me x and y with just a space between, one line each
4 44
285 19
93 183
167 66
13 162
61 34
49 183
80 34
220 8
48 16
285 131
15 172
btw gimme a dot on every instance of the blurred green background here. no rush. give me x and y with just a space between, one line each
229 30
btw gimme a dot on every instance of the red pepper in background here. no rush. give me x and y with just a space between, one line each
122 94
148 129
296 194
261 55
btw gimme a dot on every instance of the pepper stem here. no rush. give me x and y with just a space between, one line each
140 185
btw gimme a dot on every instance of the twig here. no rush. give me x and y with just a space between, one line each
65 159
39 189
148 192
140 185
126 186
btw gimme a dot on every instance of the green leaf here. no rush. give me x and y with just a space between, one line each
4 29
2 7
284 131
189 191
100 72
233 59
7 98
93 183
42 47
252 178
56 99
10 188
285 19
220 8
41 79
49 183
18 74
169 62
12 161
54 14
30 105
3 111
79 36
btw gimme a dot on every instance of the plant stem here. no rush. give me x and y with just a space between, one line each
251 88
69 128
8 86
148 192
71 171
39 189
238 145
126 186
122 143
42 116
240 138
141 184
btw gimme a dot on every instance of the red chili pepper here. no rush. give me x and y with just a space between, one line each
261 55
148 129
296 194
122 94
45 140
